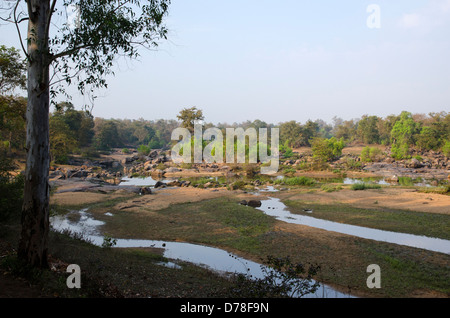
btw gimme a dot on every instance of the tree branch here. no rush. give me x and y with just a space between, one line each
16 23
50 14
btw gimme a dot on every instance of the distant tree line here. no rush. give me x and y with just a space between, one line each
402 132
75 131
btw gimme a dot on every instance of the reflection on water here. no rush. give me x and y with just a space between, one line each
209 257
276 208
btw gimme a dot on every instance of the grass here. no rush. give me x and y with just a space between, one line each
438 190
109 272
364 186
248 232
223 223
330 187
296 181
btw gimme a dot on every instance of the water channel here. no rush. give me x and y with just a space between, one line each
209 257
221 260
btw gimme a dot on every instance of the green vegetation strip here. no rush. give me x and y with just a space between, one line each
418 223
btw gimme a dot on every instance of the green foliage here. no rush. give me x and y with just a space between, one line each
345 130
12 70
108 241
403 135
404 129
368 129
327 149
371 154
285 150
11 189
302 181
12 121
107 136
188 117
353 164
400 152
429 139
364 186
70 130
290 134
143 150
446 148
330 188
238 185
62 142
106 29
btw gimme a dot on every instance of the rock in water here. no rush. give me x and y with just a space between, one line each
254 203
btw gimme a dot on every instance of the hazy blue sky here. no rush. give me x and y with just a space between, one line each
286 60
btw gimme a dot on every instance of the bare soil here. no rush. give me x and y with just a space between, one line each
393 198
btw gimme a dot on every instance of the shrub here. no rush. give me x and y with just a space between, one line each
240 184
353 164
143 150
364 186
371 154
327 149
304 181
330 188
446 148
400 152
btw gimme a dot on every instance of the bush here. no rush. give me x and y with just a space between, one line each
331 188
327 149
143 150
352 164
446 148
364 186
371 154
400 152
304 181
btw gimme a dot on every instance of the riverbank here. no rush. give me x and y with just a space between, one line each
204 205
214 217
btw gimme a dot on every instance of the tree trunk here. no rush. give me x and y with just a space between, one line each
35 209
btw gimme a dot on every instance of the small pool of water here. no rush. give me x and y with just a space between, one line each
140 181
274 207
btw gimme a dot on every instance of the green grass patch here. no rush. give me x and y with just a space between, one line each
330 187
296 181
364 186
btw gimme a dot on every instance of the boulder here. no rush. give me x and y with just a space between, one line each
160 184
394 178
145 191
415 164
254 203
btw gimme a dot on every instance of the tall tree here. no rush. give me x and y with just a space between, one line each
188 117
83 51
368 129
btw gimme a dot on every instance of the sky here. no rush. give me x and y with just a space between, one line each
285 60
